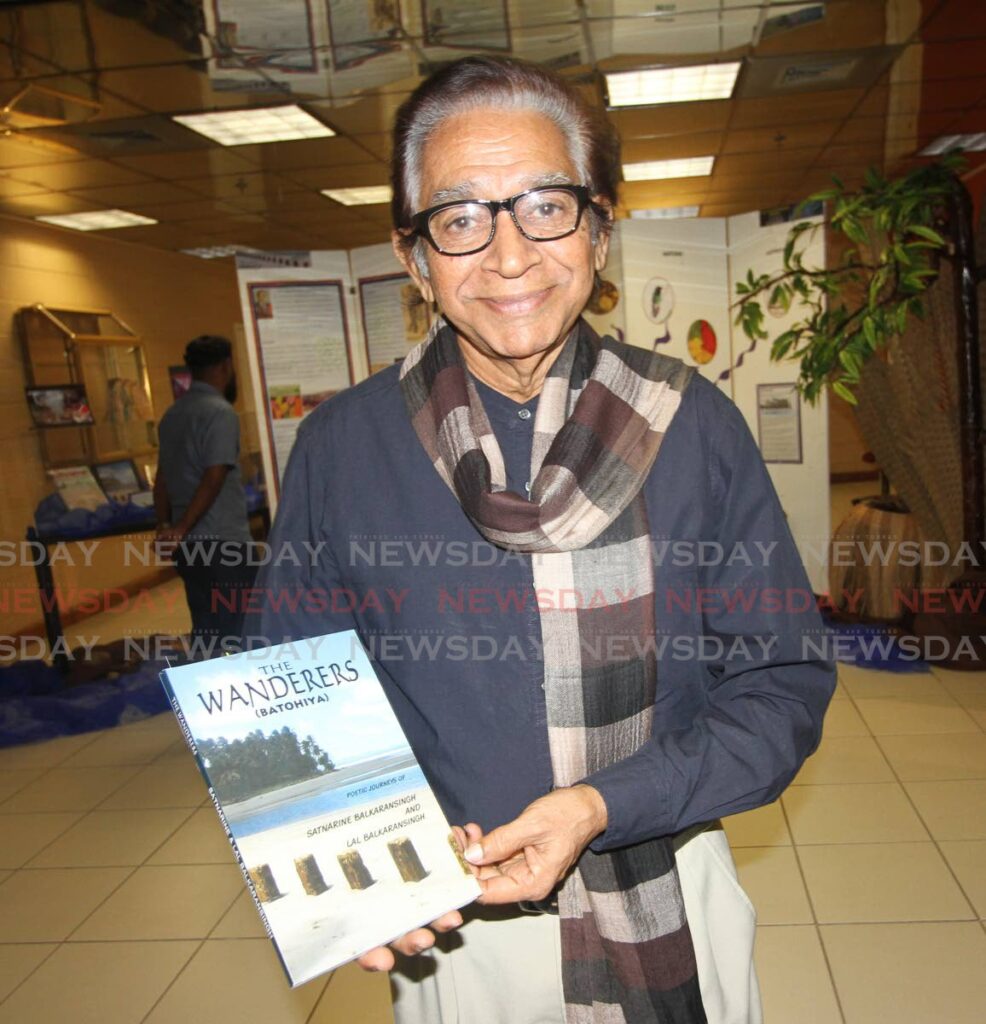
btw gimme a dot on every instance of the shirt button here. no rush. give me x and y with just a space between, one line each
524 414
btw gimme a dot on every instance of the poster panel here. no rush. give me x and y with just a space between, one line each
779 422
395 318
301 348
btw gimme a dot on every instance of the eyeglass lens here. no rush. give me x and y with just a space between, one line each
542 214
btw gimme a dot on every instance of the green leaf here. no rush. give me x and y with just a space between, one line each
854 231
783 344
869 332
929 233
844 393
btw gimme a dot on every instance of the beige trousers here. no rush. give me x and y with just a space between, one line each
504 966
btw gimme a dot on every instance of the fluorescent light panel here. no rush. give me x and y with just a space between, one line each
665 213
259 125
363 195
655 170
672 84
973 143
96 220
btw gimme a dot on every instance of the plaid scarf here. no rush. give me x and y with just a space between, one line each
627 954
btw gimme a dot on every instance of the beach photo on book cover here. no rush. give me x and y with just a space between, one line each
342 841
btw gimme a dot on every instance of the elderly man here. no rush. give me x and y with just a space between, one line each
516 514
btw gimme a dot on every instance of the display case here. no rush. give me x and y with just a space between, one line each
97 350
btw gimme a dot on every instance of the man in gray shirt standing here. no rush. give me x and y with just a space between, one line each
198 495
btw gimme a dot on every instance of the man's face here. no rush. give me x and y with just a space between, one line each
516 299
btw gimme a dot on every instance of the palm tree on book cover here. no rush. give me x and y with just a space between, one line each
259 763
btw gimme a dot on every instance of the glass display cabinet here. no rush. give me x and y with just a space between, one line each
97 350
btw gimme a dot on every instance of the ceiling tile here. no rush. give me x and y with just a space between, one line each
670 119
216 225
190 164
12 187
771 111
285 156
638 195
671 147
43 203
20 150
789 136
121 195
767 161
379 144
870 129
331 216
876 102
200 209
272 204
161 236
62 176
371 114
171 89
234 186
846 157
342 177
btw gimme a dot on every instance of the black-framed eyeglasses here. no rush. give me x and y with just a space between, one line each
543 214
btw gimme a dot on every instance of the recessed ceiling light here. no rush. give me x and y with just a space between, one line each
654 170
671 84
973 143
262 124
363 195
217 252
96 220
665 213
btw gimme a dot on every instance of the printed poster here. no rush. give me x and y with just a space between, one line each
395 318
302 339
779 422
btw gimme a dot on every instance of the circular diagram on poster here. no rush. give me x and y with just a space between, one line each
658 299
701 342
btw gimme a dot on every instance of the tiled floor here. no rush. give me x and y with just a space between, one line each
120 904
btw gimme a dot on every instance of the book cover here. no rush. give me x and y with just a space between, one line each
341 840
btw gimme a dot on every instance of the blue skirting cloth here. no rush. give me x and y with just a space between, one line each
35 705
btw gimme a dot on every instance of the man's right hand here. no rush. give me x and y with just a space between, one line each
381 958
167 540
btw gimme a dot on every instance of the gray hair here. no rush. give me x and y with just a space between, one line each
479 82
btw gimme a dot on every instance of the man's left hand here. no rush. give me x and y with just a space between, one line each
527 858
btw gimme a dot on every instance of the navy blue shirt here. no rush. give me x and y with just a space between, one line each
452 623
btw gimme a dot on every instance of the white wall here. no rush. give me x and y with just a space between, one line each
690 254
702 258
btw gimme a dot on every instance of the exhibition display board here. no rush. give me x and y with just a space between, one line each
668 286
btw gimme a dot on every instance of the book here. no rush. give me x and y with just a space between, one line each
78 488
340 839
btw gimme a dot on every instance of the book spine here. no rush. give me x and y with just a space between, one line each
190 740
